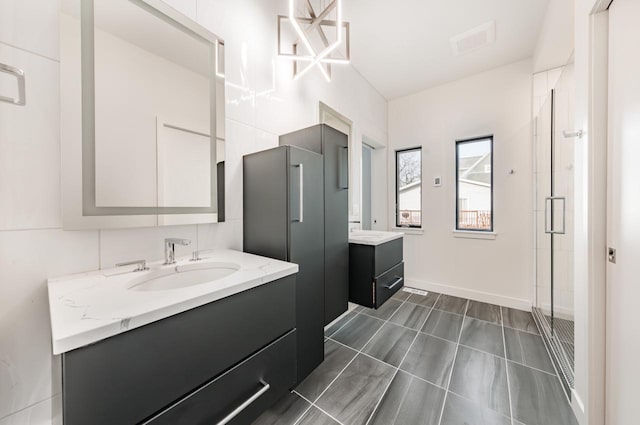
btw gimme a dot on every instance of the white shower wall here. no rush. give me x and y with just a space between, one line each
262 102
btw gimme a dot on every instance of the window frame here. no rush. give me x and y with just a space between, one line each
457 198
397 208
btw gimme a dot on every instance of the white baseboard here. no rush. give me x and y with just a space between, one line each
487 297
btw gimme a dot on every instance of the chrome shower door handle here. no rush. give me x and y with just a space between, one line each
19 74
548 201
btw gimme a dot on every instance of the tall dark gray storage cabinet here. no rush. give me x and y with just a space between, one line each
283 218
333 145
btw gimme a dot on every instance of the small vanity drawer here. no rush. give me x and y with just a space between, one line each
387 255
388 284
242 393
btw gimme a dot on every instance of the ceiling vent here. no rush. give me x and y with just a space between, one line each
474 39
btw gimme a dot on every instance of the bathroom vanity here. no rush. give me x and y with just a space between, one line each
376 268
197 342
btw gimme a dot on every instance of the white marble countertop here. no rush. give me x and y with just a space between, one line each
372 237
88 307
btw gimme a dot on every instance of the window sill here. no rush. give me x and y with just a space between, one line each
408 230
472 234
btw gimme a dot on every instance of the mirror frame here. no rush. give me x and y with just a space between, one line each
92 216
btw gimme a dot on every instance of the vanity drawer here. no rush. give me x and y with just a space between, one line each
388 284
243 392
129 377
387 255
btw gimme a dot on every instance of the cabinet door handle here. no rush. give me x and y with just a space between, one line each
395 283
247 403
343 167
301 167
19 74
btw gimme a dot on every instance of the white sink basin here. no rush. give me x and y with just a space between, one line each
183 276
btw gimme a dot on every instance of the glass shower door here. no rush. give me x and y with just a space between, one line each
554 236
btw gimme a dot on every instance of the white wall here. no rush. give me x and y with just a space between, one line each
496 102
261 104
556 39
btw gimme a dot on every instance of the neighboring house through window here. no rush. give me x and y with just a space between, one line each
409 188
474 184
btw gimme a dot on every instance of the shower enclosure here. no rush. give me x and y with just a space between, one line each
554 181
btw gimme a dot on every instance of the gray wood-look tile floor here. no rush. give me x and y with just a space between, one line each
429 360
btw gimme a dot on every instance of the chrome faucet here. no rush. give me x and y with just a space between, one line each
170 249
142 265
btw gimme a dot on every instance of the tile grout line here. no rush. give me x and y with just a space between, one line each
521 330
31 52
313 403
402 360
30 406
476 403
445 340
453 364
506 365
305 410
388 364
504 358
408 328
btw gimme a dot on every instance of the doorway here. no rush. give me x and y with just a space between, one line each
334 119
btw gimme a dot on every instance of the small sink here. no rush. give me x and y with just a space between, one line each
183 276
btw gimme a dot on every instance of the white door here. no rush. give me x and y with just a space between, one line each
623 215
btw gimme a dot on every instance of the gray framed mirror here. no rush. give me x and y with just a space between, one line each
143 125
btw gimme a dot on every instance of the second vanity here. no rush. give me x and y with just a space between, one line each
158 346
376 267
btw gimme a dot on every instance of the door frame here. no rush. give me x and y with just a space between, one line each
325 110
588 395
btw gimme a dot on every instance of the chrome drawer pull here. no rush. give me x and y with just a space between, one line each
246 404
395 283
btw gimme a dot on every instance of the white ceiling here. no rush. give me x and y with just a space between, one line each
402 46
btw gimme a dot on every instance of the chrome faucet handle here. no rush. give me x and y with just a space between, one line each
142 265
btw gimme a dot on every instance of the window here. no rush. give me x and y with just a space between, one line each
409 188
474 184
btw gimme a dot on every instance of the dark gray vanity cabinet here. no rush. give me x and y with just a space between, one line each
333 146
196 367
376 272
